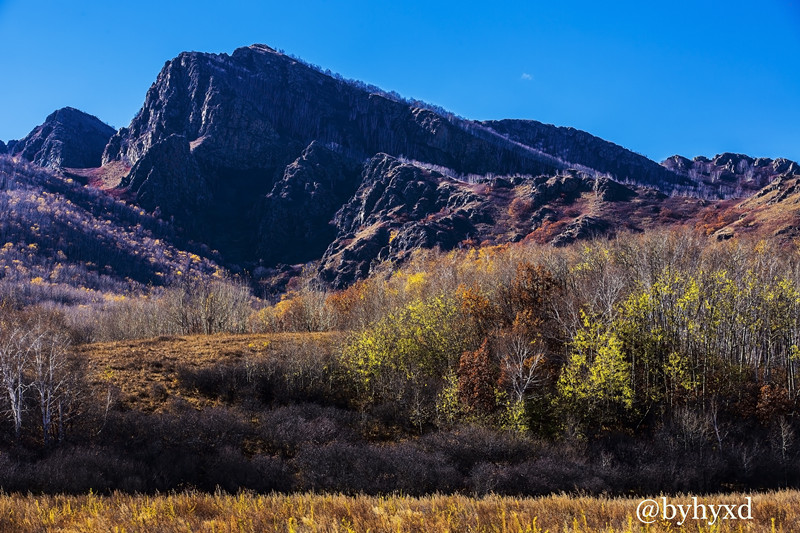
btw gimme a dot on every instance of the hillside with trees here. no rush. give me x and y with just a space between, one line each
655 362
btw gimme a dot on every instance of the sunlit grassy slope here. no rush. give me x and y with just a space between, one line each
136 367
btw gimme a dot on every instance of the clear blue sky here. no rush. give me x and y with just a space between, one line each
688 77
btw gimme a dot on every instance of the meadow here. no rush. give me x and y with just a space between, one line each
245 512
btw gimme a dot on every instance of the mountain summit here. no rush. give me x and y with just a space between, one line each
235 147
67 138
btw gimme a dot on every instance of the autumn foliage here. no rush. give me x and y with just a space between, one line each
653 362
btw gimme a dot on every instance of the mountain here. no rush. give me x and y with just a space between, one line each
255 153
241 120
67 138
585 150
273 162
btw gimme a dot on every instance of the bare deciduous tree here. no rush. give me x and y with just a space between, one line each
520 361
15 354
51 375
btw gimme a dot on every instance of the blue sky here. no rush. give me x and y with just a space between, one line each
688 77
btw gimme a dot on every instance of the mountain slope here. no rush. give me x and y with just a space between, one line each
581 148
63 242
248 116
732 175
227 147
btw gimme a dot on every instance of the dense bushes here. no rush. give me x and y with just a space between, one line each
192 306
172 453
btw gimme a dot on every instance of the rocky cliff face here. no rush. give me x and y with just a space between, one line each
732 175
255 123
272 161
256 107
67 138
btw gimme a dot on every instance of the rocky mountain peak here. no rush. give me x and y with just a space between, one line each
271 161
67 138
256 120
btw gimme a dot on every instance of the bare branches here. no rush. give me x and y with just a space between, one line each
34 356
51 374
520 362
15 354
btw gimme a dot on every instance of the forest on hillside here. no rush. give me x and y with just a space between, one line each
651 362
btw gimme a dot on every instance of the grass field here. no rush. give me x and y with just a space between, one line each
185 512
134 367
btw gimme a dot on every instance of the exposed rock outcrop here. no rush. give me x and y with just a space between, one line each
247 119
397 208
67 138
272 161
253 108
732 175
583 227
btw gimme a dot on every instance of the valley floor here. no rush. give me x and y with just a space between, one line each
190 511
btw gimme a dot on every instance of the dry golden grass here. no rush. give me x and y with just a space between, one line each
773 512
772 211
135 367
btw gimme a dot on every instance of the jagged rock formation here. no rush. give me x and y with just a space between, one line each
254 152
67 138
273 162
252 108
249 115
585 226
3 148
397 208
732 175
572 184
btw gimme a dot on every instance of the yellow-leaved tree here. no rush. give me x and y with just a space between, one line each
595 382
401 358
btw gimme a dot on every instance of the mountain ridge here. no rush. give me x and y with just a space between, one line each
272 161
